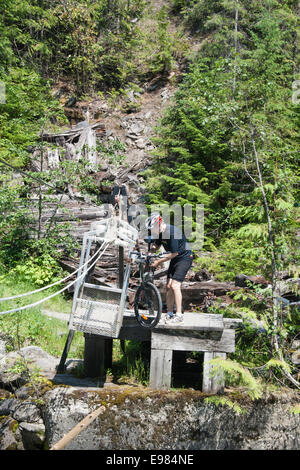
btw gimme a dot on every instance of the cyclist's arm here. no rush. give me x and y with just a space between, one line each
167 257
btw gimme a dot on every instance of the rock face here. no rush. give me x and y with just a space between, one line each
21 425
136 418
146 419
14 373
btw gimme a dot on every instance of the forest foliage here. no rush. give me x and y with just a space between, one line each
229 140
236 100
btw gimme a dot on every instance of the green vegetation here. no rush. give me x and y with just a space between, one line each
31 326
229 141
232 122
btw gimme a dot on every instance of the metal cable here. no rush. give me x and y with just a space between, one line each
56 293
3 299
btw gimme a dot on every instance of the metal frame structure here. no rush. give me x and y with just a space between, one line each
104 314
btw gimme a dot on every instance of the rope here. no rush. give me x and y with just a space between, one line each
3 299
56 293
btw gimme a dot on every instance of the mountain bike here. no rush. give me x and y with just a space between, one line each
147 302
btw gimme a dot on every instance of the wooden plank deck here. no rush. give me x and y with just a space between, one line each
203 332
208 333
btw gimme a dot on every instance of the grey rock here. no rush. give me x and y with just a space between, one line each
27 411
165 94
10 436
38 358
2 348
11 377
140 143
164 420
137 128
295 344
23 392
295 347
132 136
33 435
130 95
8 406
295 358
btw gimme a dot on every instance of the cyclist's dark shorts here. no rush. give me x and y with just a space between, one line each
178 268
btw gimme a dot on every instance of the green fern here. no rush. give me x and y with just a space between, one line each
235 372
278 364
223 401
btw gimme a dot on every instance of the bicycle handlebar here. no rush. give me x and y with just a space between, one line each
143 258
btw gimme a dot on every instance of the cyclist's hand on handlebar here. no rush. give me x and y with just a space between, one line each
155 264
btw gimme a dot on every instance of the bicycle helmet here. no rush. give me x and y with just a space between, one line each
154 219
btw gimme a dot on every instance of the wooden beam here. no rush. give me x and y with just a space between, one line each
160 368
121 267
212 384
179 342
97 356
61 366
103 288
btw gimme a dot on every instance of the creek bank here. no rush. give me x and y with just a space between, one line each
35 415
139 418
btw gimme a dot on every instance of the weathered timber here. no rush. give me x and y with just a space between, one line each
216 383
71 216
97 356
160 368
197 321
195 293
181 341
182 337
74 132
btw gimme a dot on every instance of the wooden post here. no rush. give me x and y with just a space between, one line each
61 366
212 384
97 356
121 266
160 368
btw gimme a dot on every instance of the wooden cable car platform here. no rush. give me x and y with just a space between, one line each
208 333
100 313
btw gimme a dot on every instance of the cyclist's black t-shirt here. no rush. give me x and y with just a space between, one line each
174 241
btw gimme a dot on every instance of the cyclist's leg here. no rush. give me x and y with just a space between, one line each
169 291
180 270
170 295
177 295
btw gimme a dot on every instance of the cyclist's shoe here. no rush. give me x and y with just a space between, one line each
177 318
165 318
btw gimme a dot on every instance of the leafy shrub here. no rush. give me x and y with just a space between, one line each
41 270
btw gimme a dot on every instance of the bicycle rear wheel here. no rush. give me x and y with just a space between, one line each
148 305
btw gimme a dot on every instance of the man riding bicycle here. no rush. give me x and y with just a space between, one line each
180 257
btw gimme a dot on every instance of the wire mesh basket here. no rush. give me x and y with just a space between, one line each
99 309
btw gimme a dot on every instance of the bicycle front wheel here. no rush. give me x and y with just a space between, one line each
148 305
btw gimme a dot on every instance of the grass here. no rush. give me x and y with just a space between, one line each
133 366
31 326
